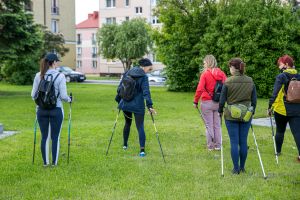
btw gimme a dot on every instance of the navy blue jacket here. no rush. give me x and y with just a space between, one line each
137 104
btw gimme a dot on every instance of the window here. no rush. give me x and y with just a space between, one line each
79 51
155 20
79 64
94 52
126 2
138 10
111 20
153 2
78 38
94 64
94 40
110 3
127 18
54 7
28 6
54 26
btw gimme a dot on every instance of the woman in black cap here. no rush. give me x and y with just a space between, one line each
50 119
136 105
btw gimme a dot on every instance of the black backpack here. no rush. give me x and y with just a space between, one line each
45 96
127 89
217 91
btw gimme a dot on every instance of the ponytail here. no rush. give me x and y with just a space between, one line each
238 64
44 66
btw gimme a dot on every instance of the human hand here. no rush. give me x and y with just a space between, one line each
152 111
195 105
269 112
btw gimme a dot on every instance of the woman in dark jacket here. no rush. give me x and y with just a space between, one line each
137 104
238 89
284 111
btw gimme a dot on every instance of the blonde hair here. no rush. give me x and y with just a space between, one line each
210 61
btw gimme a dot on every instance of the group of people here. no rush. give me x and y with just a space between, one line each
237 102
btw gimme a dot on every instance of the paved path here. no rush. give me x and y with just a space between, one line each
264 122
114 82
7 133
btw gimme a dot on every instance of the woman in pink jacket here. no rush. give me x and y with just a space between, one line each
211 74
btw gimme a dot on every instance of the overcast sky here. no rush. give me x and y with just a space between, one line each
84 7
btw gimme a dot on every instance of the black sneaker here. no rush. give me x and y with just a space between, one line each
235 171
242 170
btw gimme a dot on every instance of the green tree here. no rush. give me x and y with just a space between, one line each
20 42
126 42
258 32
184 23
54 42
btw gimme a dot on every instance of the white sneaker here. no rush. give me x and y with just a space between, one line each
125 147
217 148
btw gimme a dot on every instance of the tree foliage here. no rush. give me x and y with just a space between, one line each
20 42
54 42
258 31
23 43
126 42
184 23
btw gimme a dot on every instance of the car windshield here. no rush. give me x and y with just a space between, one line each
67 69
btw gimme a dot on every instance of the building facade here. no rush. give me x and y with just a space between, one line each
59 17
117 11
87 59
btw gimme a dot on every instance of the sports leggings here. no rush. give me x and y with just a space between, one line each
50 118
139 122
281 123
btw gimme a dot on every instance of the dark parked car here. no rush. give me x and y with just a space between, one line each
70 74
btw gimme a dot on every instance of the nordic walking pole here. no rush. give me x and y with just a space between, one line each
222 158
276 156
113 131
34 139
261 164
162 153
69 128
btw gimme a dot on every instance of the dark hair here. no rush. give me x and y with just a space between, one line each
44 66
287 59
238 64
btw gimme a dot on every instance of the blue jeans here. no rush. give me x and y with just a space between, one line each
238 134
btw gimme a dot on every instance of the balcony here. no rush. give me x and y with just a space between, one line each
55 10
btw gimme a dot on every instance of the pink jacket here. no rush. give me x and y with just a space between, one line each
207 83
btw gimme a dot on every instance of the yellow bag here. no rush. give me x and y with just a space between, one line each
240 112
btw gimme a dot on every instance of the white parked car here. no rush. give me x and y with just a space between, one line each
157 79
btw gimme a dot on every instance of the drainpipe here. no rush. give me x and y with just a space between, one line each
44 12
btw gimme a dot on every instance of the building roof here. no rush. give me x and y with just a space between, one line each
91 22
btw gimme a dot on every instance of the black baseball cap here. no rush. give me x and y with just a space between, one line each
145 62
51 57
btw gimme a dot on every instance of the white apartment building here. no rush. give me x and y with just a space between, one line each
118 11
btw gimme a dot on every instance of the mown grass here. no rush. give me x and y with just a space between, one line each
191 172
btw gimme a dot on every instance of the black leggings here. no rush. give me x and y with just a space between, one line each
139 122
281 123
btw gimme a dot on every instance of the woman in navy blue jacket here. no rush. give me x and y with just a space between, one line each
137 104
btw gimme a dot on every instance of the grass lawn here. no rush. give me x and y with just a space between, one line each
191 172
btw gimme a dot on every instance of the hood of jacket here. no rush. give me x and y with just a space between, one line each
217 73
136 72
